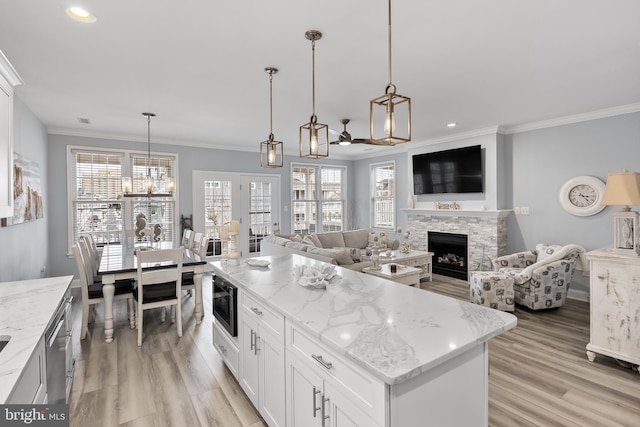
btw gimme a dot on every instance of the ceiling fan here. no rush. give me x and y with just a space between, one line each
344 137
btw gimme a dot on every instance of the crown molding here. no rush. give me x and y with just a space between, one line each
9 73
576 118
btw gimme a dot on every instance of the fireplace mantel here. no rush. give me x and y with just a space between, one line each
458 212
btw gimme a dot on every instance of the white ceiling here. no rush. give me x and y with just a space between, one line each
199 65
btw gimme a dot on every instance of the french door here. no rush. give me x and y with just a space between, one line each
252 200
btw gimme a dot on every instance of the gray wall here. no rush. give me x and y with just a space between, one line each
23 247
190 159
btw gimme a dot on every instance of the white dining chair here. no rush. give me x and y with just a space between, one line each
94 255
187 238
91 292
160 285
200 245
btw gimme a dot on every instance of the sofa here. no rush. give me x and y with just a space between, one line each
344 248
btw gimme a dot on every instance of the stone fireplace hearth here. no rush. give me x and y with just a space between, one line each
486 232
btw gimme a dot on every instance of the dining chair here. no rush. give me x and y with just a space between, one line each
159 286
187 238
200 245
92 292
94 255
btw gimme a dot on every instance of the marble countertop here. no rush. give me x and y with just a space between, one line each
26 307
394 331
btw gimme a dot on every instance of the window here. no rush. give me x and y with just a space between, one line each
96 204
318 197
383 199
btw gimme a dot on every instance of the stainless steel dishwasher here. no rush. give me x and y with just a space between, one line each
58 349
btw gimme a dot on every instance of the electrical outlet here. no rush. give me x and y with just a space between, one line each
517 210
525 210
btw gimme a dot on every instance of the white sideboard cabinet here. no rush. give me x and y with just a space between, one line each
8 79
615 305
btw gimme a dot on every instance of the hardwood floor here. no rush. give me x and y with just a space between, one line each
539 373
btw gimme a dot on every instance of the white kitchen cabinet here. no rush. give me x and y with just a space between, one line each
8 79
314 401
227 348
262 365
32 385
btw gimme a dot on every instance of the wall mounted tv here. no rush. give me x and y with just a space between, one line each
450 171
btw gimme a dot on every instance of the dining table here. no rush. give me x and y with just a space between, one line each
119 261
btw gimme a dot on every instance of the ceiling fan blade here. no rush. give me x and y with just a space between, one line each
334 132
361 141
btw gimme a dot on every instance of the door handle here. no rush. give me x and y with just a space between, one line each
324 411
315 408
253 341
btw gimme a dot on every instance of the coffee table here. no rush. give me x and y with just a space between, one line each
413 258
404 275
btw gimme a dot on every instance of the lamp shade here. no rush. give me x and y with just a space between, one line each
623 189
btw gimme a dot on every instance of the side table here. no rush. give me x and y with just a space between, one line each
404 275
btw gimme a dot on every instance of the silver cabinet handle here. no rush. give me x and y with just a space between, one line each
315 408
256 311
320 360
223 350
253 341
324 411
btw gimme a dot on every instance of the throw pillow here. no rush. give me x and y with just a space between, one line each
312 239
356 238
296 238
298 246
378 238
353 252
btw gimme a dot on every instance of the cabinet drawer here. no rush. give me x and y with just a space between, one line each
227 349
364 390
266 316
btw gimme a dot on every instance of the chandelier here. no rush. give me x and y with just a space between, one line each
270 150
314 136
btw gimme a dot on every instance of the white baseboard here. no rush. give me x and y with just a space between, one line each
578 295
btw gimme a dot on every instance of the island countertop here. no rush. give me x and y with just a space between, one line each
393 331
26 307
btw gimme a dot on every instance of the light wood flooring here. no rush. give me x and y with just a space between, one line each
539 373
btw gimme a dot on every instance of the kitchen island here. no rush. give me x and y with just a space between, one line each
369 351
26 309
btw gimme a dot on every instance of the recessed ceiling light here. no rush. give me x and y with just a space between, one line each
81 15
451 125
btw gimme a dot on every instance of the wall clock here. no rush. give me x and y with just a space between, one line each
581 195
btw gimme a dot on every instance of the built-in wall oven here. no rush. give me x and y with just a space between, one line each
225 305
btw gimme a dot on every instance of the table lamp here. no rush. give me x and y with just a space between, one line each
623 189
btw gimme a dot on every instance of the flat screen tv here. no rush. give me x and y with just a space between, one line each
450 171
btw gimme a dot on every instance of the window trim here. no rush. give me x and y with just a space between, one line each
126 166
372 194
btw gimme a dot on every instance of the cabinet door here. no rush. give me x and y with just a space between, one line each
248 358
343 412
271 373
304 394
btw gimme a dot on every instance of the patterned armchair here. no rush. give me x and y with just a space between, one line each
541 277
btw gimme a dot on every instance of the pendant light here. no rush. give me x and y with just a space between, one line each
149 184
270 150
314 136
389 110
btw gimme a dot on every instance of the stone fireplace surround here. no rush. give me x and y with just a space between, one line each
486 231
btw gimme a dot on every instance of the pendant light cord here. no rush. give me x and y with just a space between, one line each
148 145
390 44
271 106
314 119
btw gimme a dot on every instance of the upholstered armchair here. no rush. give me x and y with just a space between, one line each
541 277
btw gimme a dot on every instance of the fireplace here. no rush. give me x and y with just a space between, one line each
449 254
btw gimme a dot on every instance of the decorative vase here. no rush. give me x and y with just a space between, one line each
410 202
375 259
